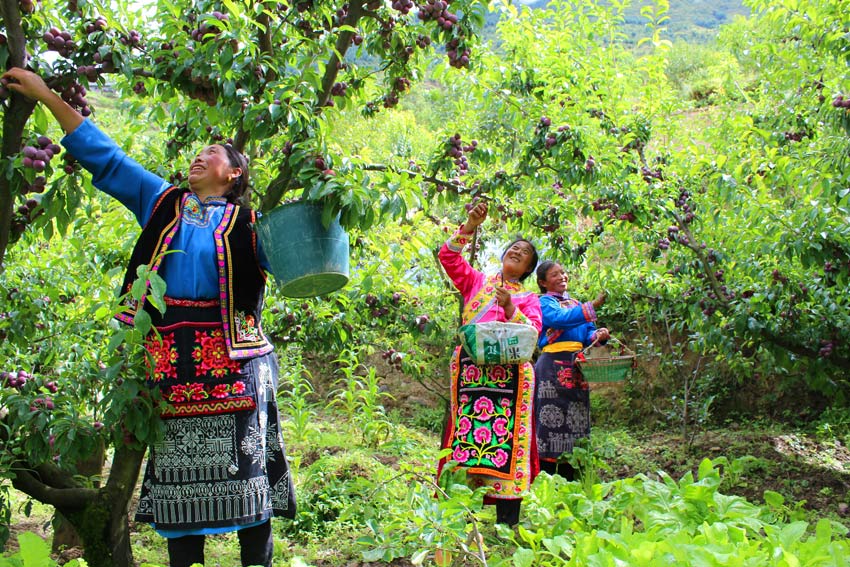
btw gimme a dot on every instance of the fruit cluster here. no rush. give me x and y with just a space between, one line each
27 6
682 203
422 322
205 32
339 88
455 149
393 357
59 41
841 102
23 216
16 380
73 92
132 39
38 185
403 6
106 62
779 276
98 25
606 204
437 10
826 346
37 158
457 57
649 174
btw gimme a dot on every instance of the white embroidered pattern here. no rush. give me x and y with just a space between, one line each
196 448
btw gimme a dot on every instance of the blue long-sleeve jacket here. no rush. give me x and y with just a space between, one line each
566 319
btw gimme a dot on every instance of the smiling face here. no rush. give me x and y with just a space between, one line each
517 260
556 280
211 173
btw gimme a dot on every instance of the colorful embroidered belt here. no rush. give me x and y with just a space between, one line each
191 302
564 346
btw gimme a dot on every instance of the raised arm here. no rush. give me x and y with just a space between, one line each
32 86
112 170
465 278
559 317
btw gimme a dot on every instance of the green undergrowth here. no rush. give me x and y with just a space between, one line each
643 498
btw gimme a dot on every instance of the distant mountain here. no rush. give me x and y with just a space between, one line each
693 21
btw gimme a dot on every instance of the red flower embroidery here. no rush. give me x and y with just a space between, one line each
210 355
197 391
220 391
164 355
238 387
178 393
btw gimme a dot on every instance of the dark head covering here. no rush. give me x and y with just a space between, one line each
237 193
542 272
534 256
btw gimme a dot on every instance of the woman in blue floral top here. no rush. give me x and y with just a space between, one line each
222 465
562 398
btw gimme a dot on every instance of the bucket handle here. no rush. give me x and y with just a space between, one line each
614 339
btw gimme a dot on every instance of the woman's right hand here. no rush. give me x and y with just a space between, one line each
475 216
27 83
600 300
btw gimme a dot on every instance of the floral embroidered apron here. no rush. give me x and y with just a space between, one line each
490 430
222 462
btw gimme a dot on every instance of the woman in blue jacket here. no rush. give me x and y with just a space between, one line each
222 465
562 398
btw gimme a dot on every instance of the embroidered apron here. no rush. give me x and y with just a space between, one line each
223 461
490 430
561 404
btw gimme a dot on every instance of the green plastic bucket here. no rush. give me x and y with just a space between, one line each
306 259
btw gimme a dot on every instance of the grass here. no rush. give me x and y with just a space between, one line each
338 475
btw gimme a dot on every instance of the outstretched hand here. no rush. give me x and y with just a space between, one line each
600 300
27 83
32 86
476 215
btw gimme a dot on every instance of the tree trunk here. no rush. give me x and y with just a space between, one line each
64 534
14 118
102 523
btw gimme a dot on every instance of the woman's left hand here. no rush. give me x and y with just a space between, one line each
602 334
503 298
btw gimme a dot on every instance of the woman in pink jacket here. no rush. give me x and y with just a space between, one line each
490 427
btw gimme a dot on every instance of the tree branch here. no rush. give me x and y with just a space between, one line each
281 183
14 118
50 485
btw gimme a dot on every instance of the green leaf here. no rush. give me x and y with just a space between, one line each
523 557
371 555
34 551
773 499
419 557
142 322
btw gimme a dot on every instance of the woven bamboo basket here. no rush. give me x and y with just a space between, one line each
612 362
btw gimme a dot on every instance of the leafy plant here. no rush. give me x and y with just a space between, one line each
34 552
359 398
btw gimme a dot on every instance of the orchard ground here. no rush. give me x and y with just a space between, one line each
809 469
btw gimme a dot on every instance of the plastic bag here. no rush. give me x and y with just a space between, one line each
496 342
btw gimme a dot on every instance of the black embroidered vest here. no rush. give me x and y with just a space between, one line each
241 280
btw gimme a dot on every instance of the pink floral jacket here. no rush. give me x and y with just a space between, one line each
479 290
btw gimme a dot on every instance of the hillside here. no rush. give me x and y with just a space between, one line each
692 21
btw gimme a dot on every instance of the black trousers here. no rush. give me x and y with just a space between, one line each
507 511
565 470
256 547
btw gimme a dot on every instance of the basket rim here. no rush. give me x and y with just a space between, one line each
605 359
595 344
